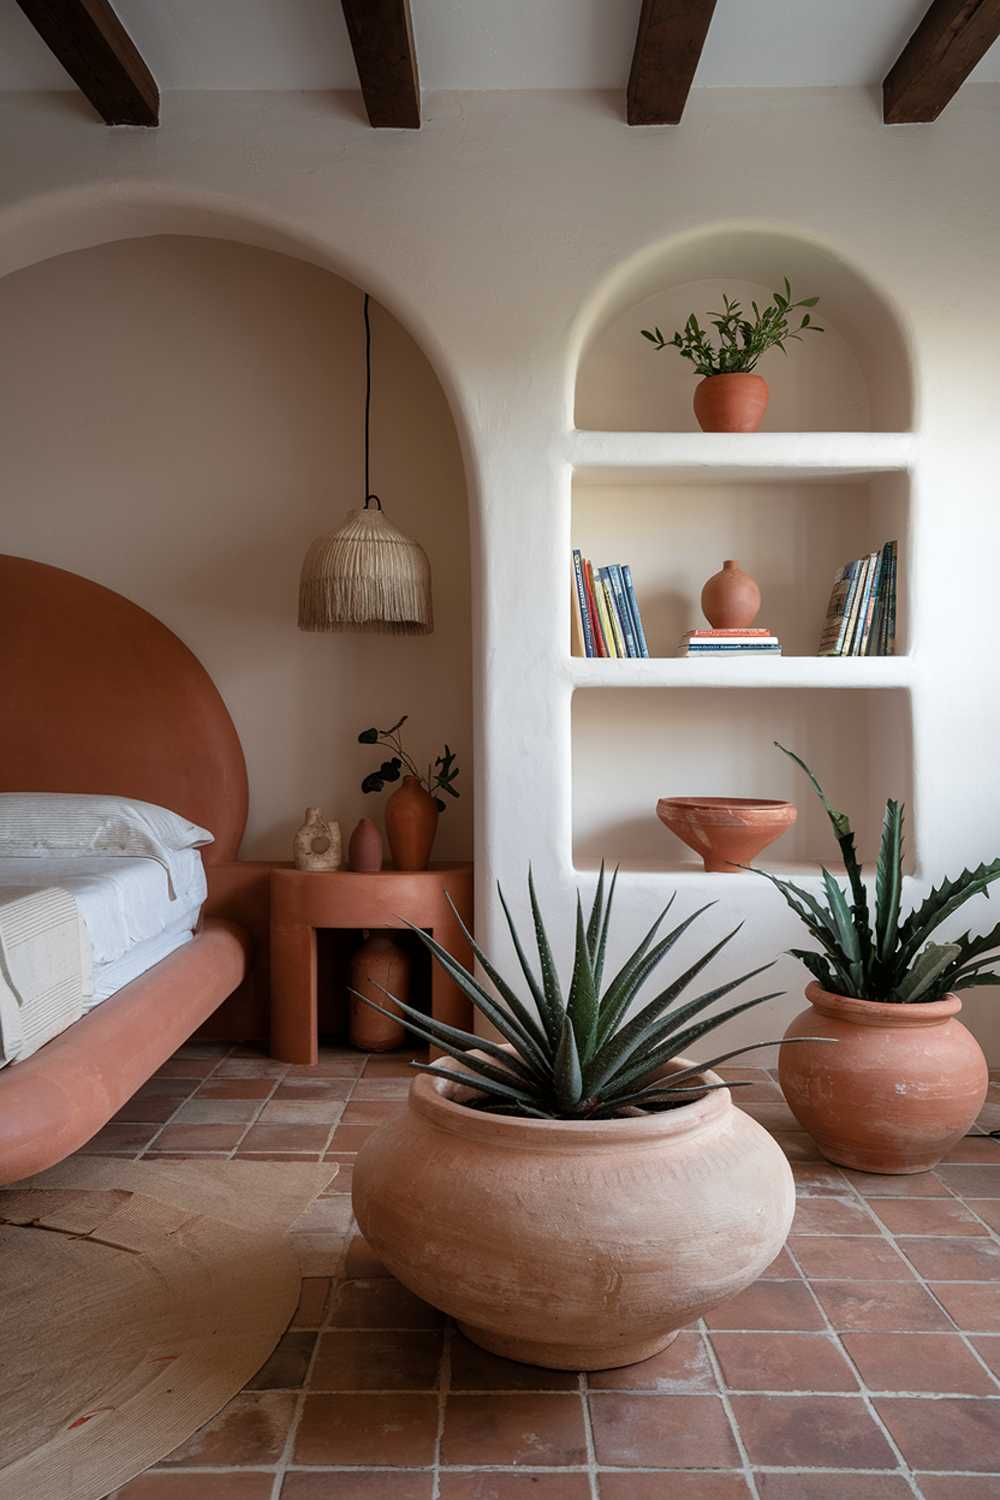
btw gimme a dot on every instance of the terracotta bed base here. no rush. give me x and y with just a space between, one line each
55 1101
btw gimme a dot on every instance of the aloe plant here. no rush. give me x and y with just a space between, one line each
582 1055
892 959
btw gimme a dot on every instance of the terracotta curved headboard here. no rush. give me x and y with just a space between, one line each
96 695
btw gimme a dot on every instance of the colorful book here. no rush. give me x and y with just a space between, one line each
858 605
873 594
890 644
613 575
711 632
610 648
582 630
729 638
634 607
838 610
732 648
597 620
621 650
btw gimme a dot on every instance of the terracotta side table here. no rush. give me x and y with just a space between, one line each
304 900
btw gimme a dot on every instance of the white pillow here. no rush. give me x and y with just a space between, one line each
35 824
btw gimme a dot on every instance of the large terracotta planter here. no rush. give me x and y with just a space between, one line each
903 1084
573 1245
411 819
730 403
728 832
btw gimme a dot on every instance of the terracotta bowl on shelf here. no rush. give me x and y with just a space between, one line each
726 831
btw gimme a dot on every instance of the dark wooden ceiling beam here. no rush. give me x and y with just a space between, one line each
950 40
381 35
667 48
100 57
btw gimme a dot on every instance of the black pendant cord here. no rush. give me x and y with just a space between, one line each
369 497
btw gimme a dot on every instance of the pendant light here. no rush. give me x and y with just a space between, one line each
367 575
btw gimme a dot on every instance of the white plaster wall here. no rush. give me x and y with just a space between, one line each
488 233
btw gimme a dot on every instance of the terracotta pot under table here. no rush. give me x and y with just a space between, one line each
730 403
411 819
903 1084
571 1244
728 832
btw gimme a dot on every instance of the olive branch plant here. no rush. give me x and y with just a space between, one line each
578 1055
741 342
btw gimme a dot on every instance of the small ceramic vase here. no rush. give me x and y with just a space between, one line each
317 845
730 403
364 852
411 819
381 960
730 598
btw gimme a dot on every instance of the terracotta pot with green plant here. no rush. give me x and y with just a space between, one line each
731 397
578 1191
907 1079
411 813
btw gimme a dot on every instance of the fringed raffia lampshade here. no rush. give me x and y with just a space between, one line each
367 575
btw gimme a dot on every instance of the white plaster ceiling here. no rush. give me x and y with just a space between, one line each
489 44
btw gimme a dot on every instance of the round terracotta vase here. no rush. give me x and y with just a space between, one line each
903 1085
728 832
730 403
568 1244
411 819
730 599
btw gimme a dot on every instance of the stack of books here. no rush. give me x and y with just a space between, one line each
752 641
606 618
861 615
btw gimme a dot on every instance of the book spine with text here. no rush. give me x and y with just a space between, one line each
861 593
891 627
612 613
634 607
582 627
614 573
872 605
596 619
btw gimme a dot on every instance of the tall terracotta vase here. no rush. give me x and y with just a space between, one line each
381 960
730 599
900 1088
730 403
411 819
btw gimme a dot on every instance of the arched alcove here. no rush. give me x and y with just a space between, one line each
182 414
855 377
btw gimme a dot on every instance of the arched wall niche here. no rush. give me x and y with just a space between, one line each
857 376
224 575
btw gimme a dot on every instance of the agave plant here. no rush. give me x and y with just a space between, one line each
579 1056
891 960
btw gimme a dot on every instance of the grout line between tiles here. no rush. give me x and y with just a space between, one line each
593 1483
727 1405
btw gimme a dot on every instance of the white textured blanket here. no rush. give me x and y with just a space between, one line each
45 968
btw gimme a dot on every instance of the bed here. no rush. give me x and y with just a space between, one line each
98 696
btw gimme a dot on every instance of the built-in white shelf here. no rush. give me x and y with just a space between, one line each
615 458
740 672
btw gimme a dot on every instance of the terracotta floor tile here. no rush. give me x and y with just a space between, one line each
159 1087
927 1216
933 1362
988 1209
954 1259
315 1090
832 1216
683 1432
327 1485
380 1304
526 1428
286 1369
202 1111
278 1155
798 1146
674 1486
204 1049
382 1088
394 1064
958 1487
769 1305
782 1268
362 1263
833 1487
380 1360
120 1135
302 1112
327 1067
989 1350
154 1108
683 1367
199 1137
881 1306
240 1067
819 1179
326 1213
398 1431
235 1088
373 1111
251 1430
975 1306
169 1485
782 1362
187 1067
972 1149
350 1137
313 1300
514 1486
774 1116
909 1185
945 1434
344 1179
286 1138
842 1258
972 1182
823 1432
320 1252
475 1369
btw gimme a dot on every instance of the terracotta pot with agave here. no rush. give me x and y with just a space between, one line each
731 397
576 1193
908 1079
